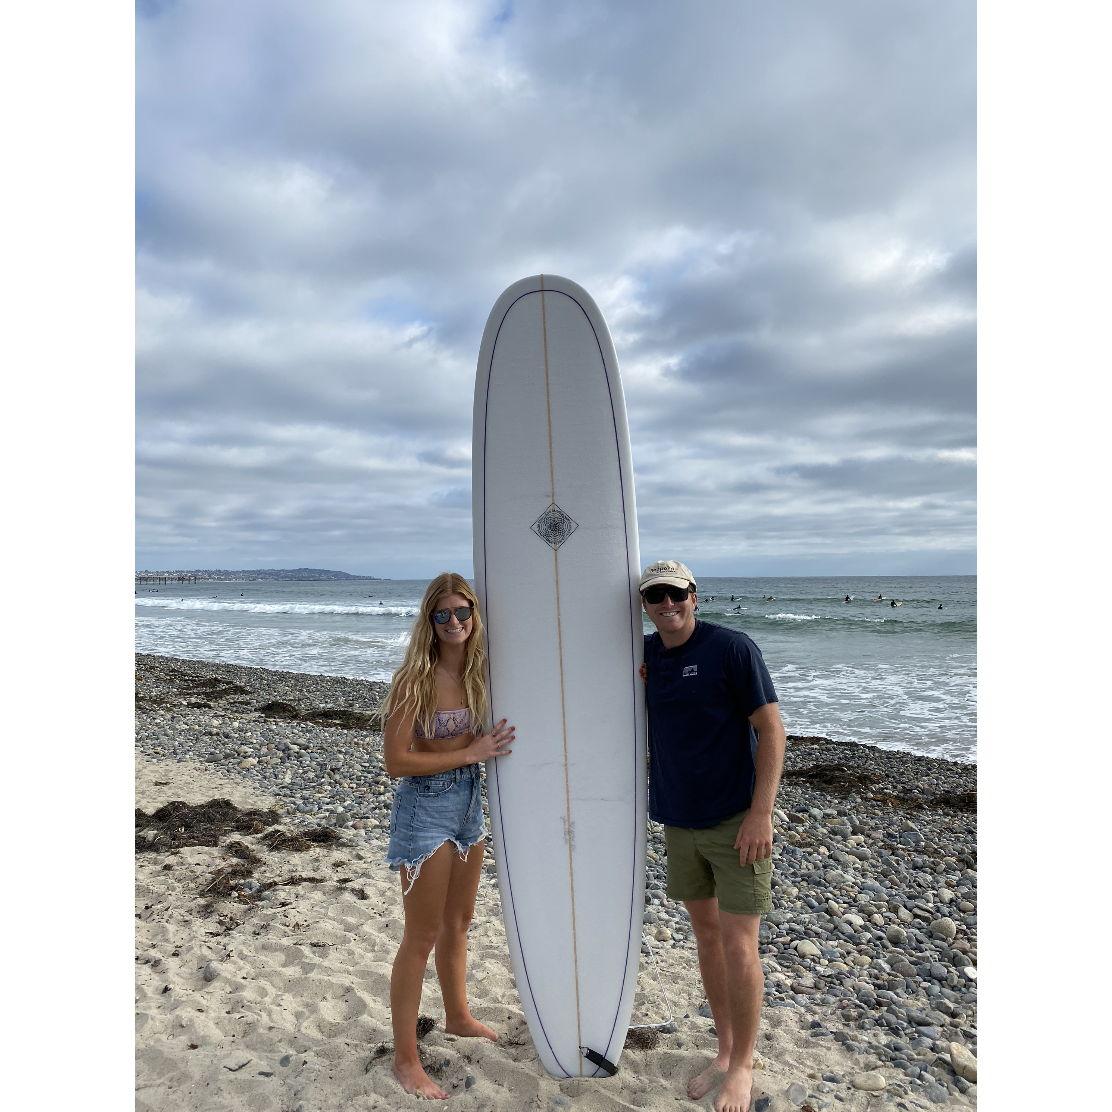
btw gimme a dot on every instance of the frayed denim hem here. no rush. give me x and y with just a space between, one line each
414 867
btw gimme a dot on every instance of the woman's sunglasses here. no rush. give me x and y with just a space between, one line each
658 594
443 617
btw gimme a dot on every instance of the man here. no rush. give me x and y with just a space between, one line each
716 745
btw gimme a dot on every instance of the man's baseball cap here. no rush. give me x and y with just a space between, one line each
669 572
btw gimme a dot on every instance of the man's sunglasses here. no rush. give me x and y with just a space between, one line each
658 594
443 617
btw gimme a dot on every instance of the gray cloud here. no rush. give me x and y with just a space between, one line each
773 205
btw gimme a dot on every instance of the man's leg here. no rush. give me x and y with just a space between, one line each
742 894
706 924
744 979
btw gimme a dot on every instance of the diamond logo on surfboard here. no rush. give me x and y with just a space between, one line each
554 526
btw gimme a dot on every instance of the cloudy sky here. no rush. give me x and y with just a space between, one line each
773 204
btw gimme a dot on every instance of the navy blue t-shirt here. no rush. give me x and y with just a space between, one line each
701 743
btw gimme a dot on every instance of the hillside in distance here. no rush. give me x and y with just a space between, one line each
241 574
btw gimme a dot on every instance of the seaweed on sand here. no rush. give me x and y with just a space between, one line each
178 824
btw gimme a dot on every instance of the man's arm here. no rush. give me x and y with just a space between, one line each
754 835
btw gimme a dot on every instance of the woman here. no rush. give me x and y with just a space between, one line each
434 741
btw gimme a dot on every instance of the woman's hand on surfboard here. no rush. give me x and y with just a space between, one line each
495 744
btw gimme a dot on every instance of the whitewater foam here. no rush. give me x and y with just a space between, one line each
275 607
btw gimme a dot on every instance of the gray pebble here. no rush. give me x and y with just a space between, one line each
796 1093
944 928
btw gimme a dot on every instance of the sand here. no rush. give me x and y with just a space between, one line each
296 1013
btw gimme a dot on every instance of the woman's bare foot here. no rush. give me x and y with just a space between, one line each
703 1082
736 1093
470 1027
412 1078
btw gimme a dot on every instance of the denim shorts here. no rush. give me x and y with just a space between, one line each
431 810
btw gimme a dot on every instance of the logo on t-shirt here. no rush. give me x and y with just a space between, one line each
691 670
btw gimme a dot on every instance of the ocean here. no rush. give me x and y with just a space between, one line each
901 677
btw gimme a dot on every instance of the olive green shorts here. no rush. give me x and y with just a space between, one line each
704 863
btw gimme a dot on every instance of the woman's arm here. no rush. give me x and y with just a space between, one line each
400 760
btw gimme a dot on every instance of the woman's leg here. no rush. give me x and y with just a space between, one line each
451 945
424 914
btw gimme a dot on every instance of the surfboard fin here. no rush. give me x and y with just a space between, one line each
597 1059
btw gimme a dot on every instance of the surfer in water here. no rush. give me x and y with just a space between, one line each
706 687
434 744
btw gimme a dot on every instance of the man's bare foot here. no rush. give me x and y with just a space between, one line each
702 1083
736 1092
471 1028
413 1079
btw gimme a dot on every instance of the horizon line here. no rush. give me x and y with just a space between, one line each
763 575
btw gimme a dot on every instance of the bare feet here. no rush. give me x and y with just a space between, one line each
702 1083
413 1079
470 1027
736 1092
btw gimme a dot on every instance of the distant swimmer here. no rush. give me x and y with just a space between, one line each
846 599
940 606
879 598
892 603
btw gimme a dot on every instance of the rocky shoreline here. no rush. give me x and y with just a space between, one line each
873 936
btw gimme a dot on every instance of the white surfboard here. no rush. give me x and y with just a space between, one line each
556 570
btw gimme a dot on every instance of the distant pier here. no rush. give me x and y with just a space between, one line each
165 579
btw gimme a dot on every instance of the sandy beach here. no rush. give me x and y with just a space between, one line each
263 959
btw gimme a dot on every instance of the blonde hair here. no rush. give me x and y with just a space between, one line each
413 689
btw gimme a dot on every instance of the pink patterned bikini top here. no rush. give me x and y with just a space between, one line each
446 724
